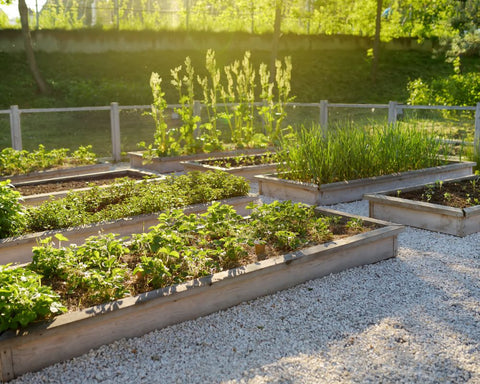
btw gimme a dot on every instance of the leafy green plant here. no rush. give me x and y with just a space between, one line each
12 213
211 92
350 152
13 162
93 268
165 143
462 89
185 86
179 248
274 112
129 198
23 298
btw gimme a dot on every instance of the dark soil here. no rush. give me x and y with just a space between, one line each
57 186
461 194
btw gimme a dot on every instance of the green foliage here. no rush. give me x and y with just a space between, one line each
23 299
12 213
461 89
238 89
165 142
353 152
14 162
93 268
179 248
129 198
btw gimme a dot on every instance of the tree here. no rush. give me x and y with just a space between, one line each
27 41
277 27
376 40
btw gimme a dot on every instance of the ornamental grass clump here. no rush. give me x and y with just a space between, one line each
130 198
351 152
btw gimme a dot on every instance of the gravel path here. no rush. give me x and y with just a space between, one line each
412 319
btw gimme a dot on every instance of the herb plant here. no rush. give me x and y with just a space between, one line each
351 152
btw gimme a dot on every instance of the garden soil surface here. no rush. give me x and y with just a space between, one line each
57 186
461 194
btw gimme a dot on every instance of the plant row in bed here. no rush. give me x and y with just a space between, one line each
15 162
180 248
117 201
352 152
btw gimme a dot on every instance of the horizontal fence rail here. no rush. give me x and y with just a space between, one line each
395 110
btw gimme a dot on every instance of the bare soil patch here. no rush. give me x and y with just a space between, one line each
67 185
459 194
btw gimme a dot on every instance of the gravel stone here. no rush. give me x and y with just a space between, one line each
412 319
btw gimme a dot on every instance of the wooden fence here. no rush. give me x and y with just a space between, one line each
394 111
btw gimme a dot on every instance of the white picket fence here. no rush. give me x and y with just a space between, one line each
394 110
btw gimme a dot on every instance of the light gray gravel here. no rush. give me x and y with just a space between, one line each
412 319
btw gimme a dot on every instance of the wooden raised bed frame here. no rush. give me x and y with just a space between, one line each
18 250
246 171
73 334
41 197
346 191
433 217
62 172
169 164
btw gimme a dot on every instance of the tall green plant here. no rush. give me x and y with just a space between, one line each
352 152
211 91
273 111
165 143
184 83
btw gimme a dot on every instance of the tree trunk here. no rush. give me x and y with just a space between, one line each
27 40
276 37
376 41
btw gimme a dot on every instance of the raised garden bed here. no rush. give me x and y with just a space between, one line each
344 191
36 191
18 249
451 207
169 164
245 165
60 172
75 333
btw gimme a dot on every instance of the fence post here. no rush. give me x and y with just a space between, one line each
115 128
476 139
15 128
392 112
324 114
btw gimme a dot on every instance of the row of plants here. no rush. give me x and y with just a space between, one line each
181 247
354 152
123 199
15 162
242 160
245 125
